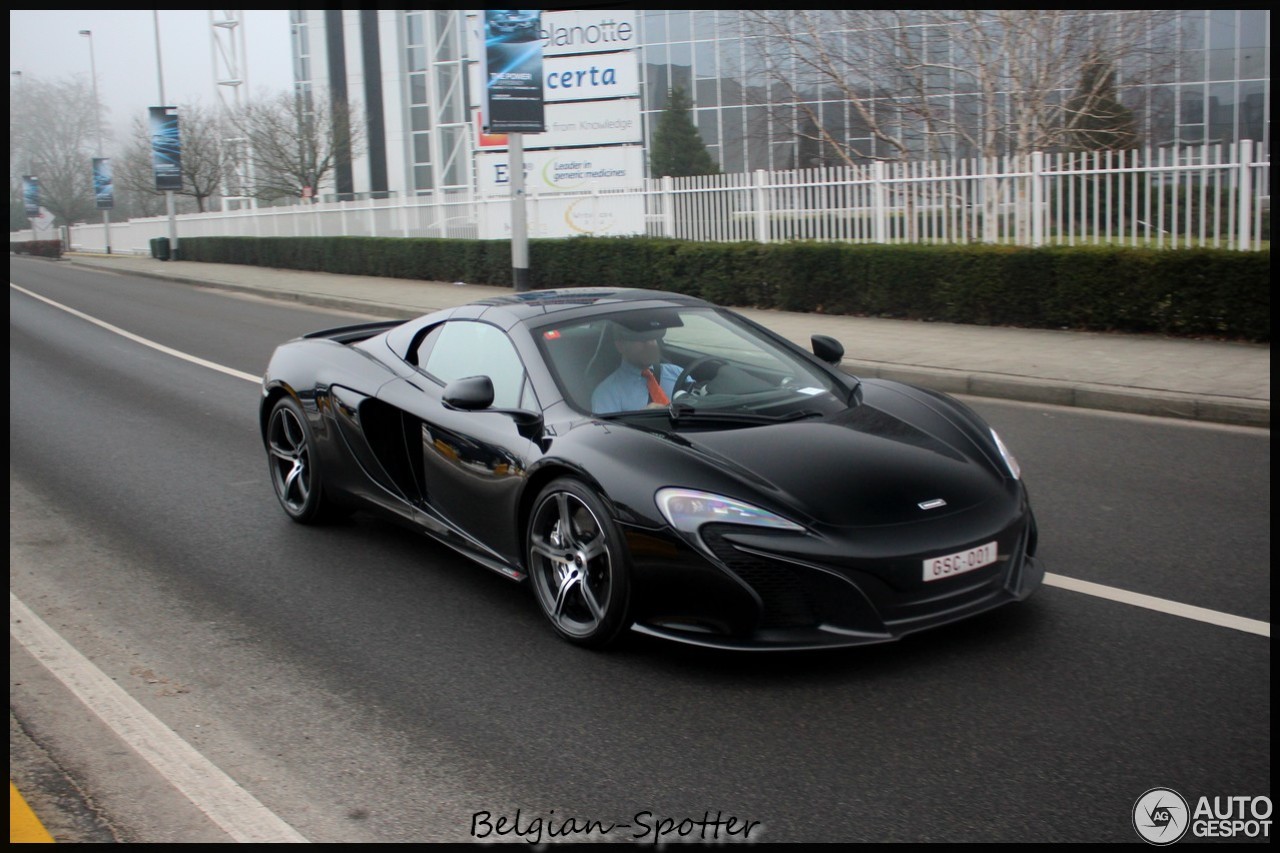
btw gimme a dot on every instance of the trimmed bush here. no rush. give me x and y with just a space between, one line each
39 248
1187 292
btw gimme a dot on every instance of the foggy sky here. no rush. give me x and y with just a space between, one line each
46 44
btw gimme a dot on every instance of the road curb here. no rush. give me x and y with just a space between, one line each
1164 404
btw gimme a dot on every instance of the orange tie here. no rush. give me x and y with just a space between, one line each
656 394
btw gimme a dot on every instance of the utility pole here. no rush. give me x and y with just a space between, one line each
519 216
97 128
168 194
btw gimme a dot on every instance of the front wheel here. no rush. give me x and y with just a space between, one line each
291 457
577 564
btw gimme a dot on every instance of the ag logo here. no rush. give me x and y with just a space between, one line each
1161 816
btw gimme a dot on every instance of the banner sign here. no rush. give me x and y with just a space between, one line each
581 123
31 195
166 152
513 101
104 190
573 170
591 77
571 215
589 31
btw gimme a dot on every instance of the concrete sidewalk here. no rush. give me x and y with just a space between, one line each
1141 374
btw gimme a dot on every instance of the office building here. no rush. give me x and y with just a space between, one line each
1206 79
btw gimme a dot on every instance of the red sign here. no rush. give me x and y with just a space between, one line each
488 140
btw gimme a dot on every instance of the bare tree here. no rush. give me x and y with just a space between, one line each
903 85
295 144
882 84
206 163
1097 120
53 132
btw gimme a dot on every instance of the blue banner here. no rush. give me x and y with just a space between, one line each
513 96
31 195
104 190
166 149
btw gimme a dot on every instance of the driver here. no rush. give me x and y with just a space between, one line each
642 380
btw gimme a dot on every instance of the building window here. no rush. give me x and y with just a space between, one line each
422 179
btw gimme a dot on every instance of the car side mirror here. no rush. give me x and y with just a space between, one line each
475 394
827 348
469 394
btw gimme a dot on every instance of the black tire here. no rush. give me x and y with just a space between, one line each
578 565
291 457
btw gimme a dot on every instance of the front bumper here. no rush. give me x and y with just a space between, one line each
747 590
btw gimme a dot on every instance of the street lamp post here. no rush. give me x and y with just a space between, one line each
17 75
31 163
168 194
97 129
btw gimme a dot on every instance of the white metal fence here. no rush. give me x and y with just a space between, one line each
1215 196
1203 196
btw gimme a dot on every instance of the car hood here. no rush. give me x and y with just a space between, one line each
894 459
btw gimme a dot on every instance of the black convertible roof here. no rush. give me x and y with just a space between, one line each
535 306
531 305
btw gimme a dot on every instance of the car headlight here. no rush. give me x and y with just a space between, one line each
687 510
1010 461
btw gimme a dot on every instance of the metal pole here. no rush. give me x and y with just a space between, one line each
97 127
519 222
1244 221
168 194
31 166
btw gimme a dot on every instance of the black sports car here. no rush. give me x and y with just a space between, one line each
651 461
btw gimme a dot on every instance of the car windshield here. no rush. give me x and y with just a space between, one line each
696 364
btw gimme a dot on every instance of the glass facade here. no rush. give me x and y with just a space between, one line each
761 99
439 147
1189 76
300 33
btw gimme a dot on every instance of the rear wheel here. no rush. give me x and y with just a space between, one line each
577 564
291 456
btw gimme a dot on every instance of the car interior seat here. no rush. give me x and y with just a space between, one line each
581 358
604 361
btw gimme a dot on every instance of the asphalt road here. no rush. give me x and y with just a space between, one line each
363 684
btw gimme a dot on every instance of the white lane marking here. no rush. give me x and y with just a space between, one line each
1163 605
1136 599
212 791
239 374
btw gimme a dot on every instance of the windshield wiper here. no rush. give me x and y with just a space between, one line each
678 409
683 413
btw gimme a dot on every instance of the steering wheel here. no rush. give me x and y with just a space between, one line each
699 382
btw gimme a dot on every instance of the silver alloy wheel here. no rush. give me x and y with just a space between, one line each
290 460
571 565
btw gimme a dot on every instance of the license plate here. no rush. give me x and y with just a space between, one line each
937 568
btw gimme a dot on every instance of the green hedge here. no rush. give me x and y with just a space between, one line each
40 248
1184 292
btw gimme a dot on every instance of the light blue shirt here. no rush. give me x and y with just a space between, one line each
625 389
